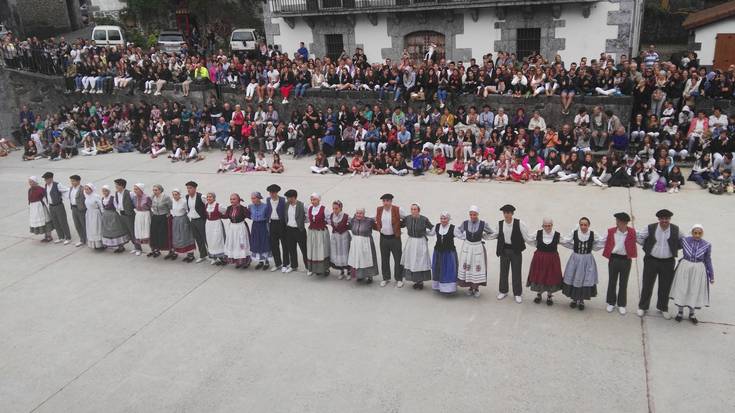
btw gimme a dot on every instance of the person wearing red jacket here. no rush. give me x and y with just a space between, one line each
620 249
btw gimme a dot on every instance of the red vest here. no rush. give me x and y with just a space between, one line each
215 215
317 221
630 248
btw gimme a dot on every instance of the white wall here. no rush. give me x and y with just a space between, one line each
373 38
706 36
585 36
289 38
480 36
108 5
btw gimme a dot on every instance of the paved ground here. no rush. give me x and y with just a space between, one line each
91 332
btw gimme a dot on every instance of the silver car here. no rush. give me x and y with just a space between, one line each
170 41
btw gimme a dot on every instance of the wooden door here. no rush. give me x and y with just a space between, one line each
724 50
417 44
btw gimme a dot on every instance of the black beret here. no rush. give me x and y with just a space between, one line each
664 213
47 175
387 196
273 188
192 183
75 177
291 193
121 182
622 216
508 208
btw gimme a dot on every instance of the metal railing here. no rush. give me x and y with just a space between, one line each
296 7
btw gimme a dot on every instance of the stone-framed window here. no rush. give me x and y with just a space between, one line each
528 40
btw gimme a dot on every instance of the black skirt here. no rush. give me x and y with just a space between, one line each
160 230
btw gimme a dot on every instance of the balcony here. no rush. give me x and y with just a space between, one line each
293 8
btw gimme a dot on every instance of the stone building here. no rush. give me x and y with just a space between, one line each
461 29
41 18
712 35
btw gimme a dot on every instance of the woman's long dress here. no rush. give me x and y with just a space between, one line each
340 241
215 231
472 271
545 272
580 273
690 287
142 222
317 241
182 239
237 239
260 244
161 222
362 258
39 218
114 232
93 220
444 262
415 258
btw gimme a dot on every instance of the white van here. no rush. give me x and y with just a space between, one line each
244 41
108 36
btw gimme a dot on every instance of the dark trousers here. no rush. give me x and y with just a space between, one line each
664 270
129 222
79 223
511 261
277 232
294 239
197 229
61 224
618 270
390 245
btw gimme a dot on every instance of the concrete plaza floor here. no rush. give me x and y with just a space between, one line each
101 332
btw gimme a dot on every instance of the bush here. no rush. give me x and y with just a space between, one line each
140 39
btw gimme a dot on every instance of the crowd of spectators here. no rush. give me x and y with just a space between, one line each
392 137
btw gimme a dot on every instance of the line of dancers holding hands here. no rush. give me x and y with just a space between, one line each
281 226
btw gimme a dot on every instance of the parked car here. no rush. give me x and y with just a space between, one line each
108 36
170 41
244 41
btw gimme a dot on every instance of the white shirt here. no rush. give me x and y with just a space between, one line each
291 216
619 248
73 194
61 189
274 207
119 201
191 204
508 231
661 248
387 221
178 208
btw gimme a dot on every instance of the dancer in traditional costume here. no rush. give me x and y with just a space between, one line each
54 194
160 222
472 270
512 237
444 261
339 250
76 202
114 233
237 239
215 230
196 212
415 258
277 228
580 274
182 240
39 217
388 223
620 250
93 218
661 244
295 234
260 240
545 273
317 238
693 275
362 259
125 207
142 221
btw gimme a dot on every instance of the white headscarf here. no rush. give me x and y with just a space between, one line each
474 208
696 226
35 179
316 195
91 186
140 186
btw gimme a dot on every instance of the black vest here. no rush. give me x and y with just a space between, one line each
517 243
199 206
674 243
546 247
583 247
444 242
54 194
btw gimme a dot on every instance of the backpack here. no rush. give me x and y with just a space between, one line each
660 185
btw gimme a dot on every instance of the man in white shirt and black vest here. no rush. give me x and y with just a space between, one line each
78 209
512 236
661 245
294 235
196 212
388 221
276 228
55 201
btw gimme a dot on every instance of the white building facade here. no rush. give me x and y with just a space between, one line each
462 29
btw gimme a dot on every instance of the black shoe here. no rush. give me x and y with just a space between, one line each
168 256
119 249
150 254
369 280
693 319
549 301
678 317
415 286
174 256
156 254
581 306
266 266
189 258
259 266
573 304
238 266
421 286
537 300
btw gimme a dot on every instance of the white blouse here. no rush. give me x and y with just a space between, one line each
178 208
